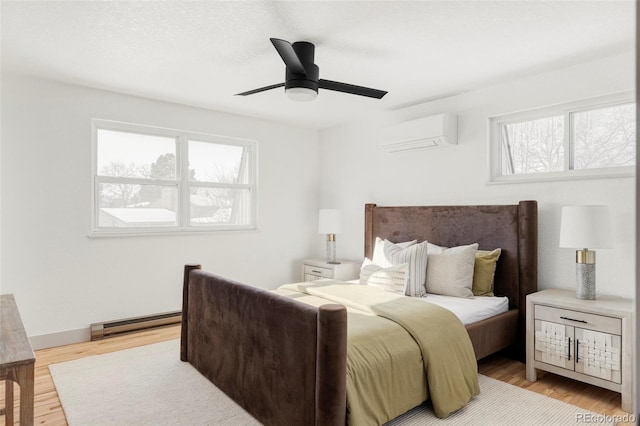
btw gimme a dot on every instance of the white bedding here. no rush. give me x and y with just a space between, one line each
470 310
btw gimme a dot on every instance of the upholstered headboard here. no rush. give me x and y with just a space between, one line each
513 228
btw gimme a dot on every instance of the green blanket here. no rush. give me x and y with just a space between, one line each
400 351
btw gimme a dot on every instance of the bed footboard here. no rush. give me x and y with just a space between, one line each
281 360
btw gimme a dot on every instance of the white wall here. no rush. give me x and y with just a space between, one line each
63 280
355 171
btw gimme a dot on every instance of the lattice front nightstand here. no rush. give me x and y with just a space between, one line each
586 340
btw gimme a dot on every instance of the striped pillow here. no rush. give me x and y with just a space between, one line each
393 278
386 253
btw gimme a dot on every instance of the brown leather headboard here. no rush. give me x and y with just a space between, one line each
513 228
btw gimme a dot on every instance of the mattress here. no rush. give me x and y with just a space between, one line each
470 310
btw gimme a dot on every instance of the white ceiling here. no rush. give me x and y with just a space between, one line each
203 52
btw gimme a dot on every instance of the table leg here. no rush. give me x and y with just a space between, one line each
25 376
8 402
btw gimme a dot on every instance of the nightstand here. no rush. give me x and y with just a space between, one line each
315 269
586 340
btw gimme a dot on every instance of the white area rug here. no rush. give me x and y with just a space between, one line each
503 404
149 385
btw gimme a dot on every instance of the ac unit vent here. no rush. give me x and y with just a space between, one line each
427 132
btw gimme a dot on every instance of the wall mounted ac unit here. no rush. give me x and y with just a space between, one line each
435 130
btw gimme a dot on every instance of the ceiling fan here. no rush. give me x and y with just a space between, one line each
302 75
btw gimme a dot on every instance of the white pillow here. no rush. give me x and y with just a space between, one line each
379 246
406 244
387 254
450 270
393 278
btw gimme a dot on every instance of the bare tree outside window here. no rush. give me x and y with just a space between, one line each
605 137
141 173
571 140
120 194
217 185
536 146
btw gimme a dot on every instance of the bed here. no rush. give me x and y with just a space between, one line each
284 361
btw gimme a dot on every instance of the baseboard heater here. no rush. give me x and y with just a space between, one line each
103 330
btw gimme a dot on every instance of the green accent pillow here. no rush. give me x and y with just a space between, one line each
483 272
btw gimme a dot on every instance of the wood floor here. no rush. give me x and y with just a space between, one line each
49 412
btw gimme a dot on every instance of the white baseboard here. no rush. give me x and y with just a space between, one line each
44 341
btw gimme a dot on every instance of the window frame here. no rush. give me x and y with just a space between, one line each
496 123
181 182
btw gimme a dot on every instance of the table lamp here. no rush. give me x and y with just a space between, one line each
582 227
330 223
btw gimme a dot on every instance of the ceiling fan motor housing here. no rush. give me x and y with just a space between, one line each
306 53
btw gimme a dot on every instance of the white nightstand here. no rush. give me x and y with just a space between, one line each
586 340
314 269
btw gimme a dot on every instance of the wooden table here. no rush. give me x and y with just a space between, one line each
16 361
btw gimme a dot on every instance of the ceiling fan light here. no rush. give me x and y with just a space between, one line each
301 94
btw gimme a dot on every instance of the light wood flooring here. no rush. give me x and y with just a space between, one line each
49 412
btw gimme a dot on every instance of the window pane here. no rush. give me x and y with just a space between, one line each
122 154
533 146
126 205
605 137
217 163
220 206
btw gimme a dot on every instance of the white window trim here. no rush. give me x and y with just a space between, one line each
182 214
495 149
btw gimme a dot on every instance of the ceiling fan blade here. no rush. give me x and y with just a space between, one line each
262 89
350 88
289 56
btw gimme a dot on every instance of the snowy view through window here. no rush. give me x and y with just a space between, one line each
147 181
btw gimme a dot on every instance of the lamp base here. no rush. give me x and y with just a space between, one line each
331 249
586 281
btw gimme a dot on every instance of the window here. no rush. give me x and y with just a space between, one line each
583 139
150 180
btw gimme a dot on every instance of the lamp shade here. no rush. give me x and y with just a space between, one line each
585 227
330 221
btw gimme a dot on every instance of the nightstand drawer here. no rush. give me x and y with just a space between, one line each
579 319
318 271
344 270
